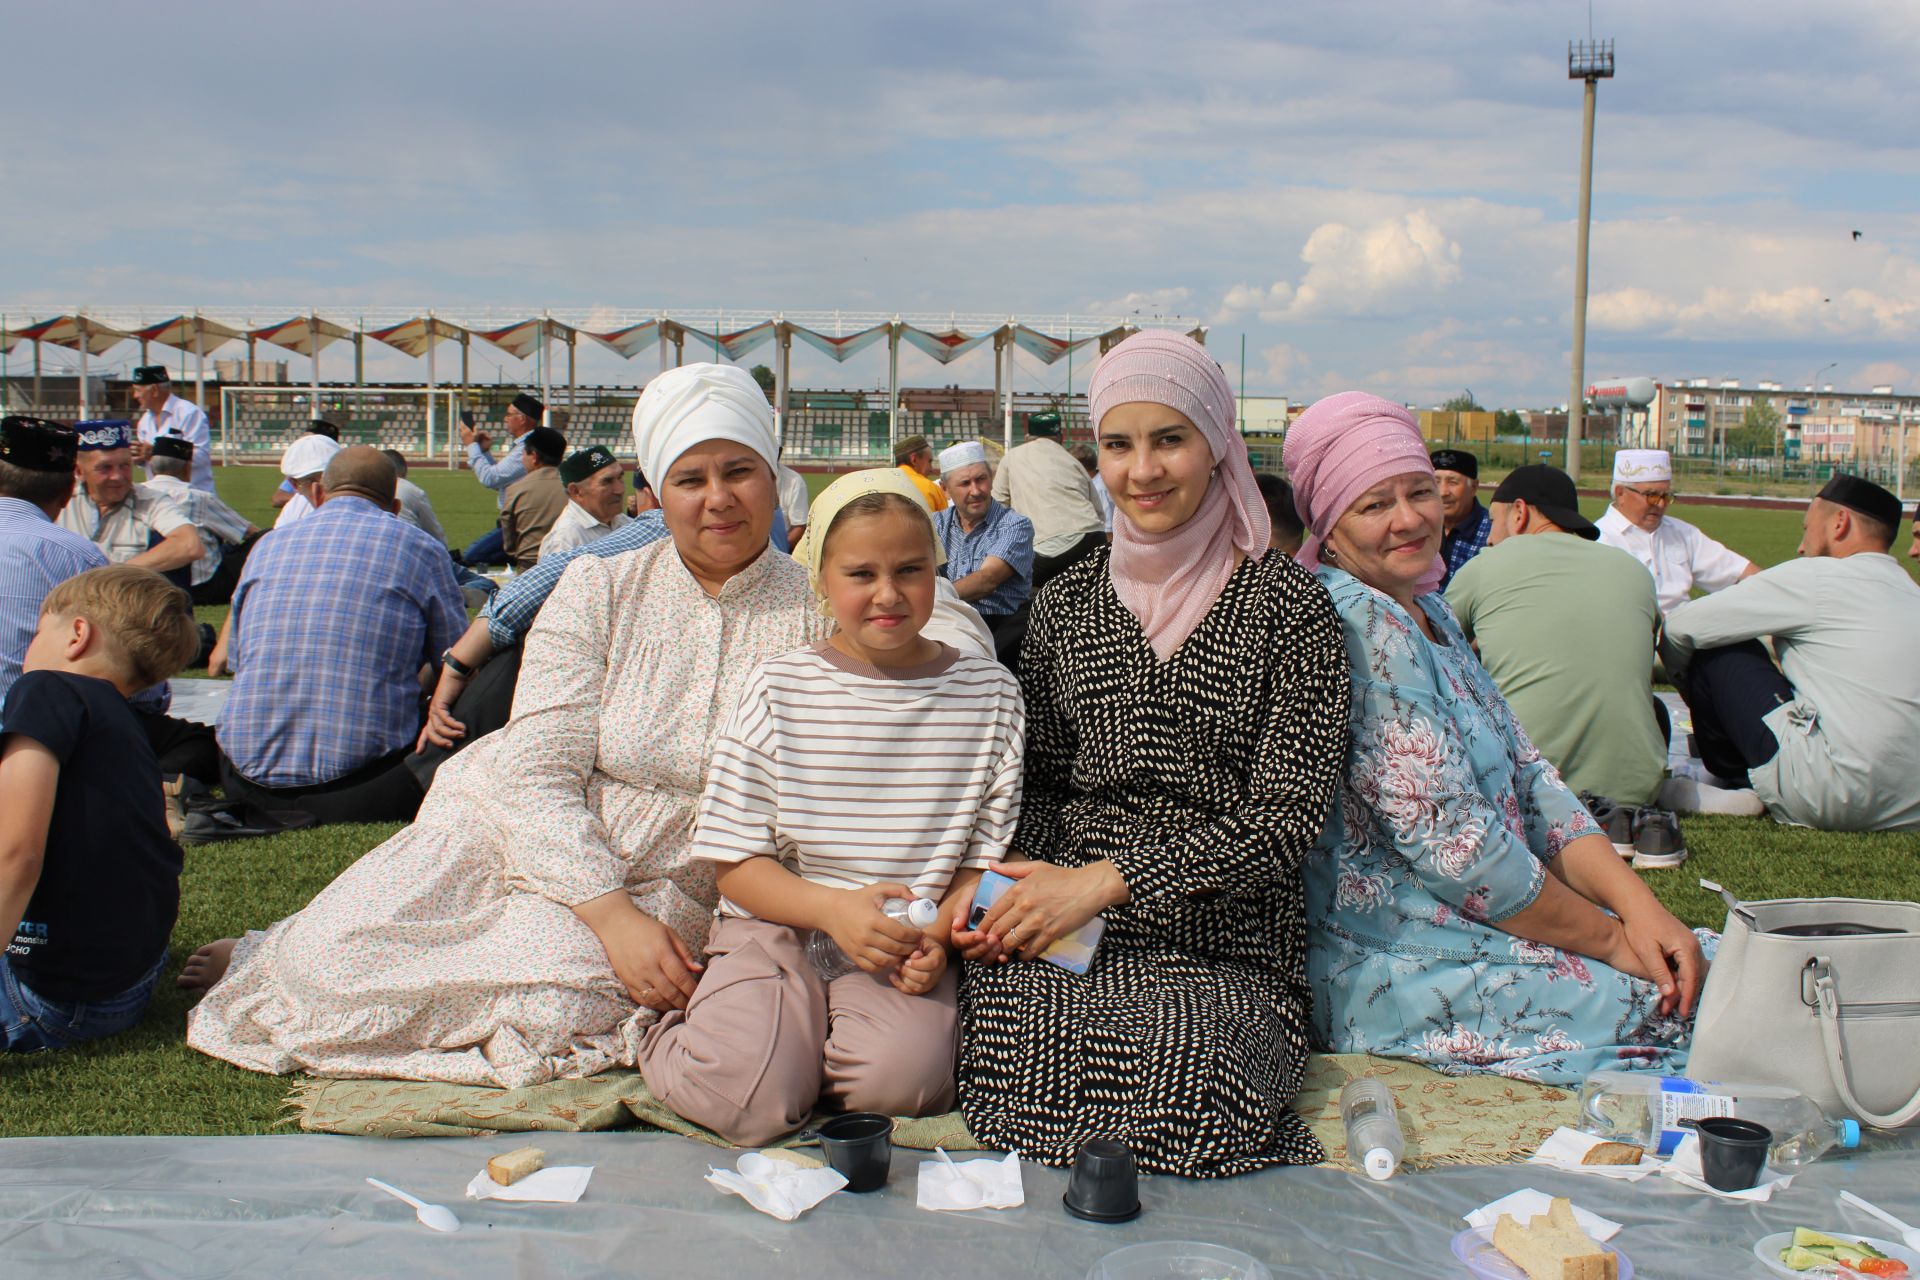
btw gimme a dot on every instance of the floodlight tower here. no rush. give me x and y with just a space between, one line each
1592 61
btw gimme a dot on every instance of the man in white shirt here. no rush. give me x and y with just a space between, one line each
1679 556
596 491
168 415
416 508
524 414
1828 740
226 535
129 522
1043 482
302 464
795 502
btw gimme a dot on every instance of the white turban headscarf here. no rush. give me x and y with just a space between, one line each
696 402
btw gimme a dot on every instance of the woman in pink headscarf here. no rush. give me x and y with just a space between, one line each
1466 910
1186 695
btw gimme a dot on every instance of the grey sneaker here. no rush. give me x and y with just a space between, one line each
1619 821
1656 840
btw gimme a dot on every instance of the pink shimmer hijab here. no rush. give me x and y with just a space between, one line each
1338 449
1169 580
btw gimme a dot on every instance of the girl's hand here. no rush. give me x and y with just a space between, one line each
651 961
975 944
920 972
871 938
1048 902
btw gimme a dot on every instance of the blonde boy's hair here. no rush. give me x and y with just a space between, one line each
148 622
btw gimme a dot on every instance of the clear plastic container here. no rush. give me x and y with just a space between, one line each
1646 1110
1178 1260
831 962
1373 1127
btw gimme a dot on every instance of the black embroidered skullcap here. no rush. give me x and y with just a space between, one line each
1043 424
530 406
546 444
173 447
37 444
150 375
1457 460
321 427
1864 496
579 466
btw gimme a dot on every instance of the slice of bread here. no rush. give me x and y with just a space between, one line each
1613 1153
515 1165
1553 1247
787 1155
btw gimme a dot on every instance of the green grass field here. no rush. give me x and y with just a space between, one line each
148 1081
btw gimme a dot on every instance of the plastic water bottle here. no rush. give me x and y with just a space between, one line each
832 962
1646 1110
1373 1127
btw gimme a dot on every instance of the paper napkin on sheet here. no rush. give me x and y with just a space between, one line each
1527 1204
774 1187
562 1184
1565 1149
1684 1168
980 1184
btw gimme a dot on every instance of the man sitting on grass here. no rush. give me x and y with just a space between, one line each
596 491
89 877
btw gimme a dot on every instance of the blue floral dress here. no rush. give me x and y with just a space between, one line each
1446 820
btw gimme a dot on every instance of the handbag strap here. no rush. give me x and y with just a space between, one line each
1827 996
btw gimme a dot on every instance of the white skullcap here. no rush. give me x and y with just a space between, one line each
698 402
964 454
1642 466
308 456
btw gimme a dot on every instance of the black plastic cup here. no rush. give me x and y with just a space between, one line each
860 1145
1732 1152
1104 1185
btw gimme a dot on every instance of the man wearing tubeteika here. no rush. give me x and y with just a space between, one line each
1679 556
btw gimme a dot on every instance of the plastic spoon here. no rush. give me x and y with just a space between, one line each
966 1189
1910 1235
436 1216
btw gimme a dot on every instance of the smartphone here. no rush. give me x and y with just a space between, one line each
1074 953
466 416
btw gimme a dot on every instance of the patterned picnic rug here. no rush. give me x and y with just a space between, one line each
1447 1119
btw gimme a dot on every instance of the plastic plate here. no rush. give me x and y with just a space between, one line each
1474 1248
1768 1248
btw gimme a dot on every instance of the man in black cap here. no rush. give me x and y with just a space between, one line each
1543 581
1465 524
532 504
166 414
225 534
1826 740
131 523
1042 481
914 456
596 490
524 414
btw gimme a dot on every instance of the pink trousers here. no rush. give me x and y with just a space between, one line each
765 1039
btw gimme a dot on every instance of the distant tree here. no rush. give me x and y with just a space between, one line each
1463 403
1758 434
1506 422
764 376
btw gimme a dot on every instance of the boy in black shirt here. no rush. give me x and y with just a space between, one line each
89 877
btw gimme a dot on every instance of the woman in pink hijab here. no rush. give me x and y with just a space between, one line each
1466 910
1186 695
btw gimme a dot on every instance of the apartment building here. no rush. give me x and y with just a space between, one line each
1692 417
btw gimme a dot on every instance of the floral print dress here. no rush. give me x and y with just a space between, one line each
1446 820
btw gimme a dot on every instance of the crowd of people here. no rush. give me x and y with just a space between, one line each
1344 761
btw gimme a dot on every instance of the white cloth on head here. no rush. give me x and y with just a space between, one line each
965 454
308 456
698 402
1642 466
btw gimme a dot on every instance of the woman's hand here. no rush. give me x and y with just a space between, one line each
920 972
871 938
651 961
1670 956
1047 902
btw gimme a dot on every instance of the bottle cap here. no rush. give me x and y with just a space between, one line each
1849 1132
1379 1164
922 912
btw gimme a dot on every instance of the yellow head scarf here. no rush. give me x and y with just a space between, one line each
854 484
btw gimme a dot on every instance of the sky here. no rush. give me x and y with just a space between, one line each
1371 195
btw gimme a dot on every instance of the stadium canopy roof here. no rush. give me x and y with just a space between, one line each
80 332
304 335
416 335
193 333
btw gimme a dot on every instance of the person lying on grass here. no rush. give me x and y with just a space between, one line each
89 877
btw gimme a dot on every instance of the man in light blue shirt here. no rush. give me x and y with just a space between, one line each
523 415
989 547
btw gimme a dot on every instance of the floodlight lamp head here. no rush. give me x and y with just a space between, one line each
1589 59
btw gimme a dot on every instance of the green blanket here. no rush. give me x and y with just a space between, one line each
1447 1119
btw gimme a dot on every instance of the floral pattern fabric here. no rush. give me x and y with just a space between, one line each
451 952
1446 821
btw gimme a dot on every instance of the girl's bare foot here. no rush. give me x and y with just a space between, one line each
206 966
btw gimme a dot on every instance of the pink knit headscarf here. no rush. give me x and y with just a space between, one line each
1341 447
1169 580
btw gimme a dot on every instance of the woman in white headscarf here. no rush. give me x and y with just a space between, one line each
543 911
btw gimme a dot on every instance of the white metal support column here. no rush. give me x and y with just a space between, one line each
1006 397
433 381
83 368
313 355
893 384
782 377
199 363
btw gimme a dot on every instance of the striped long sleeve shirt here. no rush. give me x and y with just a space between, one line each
852 775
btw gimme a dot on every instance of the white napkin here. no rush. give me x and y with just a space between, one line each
979 1184
1528 1204
562 1184
1566 1147
1684 1168
774 1187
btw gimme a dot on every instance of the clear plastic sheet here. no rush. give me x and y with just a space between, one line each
292 1207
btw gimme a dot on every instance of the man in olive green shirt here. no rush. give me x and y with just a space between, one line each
1565 626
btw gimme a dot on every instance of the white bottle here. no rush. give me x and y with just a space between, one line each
831 962
1373 1127
1646 1110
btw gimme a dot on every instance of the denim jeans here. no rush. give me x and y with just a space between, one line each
29 1021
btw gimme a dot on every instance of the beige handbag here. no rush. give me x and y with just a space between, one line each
1820 994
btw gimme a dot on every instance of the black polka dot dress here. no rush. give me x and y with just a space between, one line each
1204 780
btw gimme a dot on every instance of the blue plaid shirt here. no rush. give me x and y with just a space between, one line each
510 613
332 620
1003 533
1465 541
36 555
